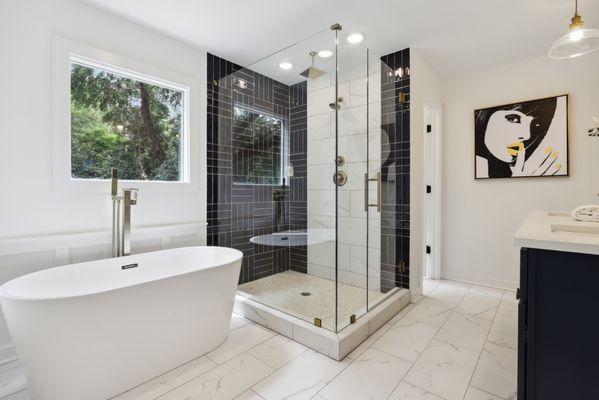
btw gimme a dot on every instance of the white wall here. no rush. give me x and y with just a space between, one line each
425 87
29 203
33 213
480 217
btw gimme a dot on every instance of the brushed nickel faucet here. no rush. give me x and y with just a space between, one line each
130 199
121 235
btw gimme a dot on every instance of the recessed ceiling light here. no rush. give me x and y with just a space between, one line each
355 38
325 53
285 65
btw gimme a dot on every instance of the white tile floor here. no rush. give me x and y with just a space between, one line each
457 343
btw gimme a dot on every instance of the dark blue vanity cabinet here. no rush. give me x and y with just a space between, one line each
558 326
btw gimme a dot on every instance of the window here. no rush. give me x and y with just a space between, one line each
260 147
121 119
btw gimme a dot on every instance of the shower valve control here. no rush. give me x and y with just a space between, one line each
340 178
340 161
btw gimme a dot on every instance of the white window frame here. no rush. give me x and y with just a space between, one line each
64 53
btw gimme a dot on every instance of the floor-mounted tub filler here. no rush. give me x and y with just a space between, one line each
94 330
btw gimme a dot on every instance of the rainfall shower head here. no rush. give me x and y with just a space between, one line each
312 72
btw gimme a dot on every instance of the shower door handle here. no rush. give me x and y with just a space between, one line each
378 192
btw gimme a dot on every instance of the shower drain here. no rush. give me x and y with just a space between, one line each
306 293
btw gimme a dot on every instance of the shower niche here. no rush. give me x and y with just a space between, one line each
307 175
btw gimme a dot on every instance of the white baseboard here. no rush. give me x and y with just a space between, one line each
479 280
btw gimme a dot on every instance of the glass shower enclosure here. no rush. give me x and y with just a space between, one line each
294 151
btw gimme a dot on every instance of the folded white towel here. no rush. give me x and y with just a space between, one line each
589 213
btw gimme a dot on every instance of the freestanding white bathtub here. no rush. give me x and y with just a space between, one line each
93 330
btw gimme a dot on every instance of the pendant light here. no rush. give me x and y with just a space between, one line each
577 41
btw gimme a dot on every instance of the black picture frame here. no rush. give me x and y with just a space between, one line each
539 129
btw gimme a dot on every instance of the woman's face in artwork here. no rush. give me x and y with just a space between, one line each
506 132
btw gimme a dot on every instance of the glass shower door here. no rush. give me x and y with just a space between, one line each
359 197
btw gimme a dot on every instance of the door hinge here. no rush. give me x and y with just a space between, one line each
428 249
429 189
429 128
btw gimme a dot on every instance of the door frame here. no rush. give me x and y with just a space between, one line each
432 202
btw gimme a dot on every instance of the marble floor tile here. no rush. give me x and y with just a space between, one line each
249 395
300 379
431 311
476 394
277 351
428 285
407 339
169 381
509 308
444 370
465 331
374 376
224 382
405 391
449 292
399 316
479 305
509 295
503 331
237 321
240 340
496 371
487 291
369 342
379 332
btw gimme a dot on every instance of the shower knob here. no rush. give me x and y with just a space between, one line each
340 178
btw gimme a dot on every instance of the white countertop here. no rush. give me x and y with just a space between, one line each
558 231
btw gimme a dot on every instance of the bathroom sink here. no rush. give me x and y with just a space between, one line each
576 230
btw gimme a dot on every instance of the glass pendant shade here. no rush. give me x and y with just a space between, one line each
575 43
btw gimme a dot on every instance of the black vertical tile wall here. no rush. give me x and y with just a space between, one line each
298 183
395 170
239 211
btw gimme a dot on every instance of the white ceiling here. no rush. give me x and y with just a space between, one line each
454 36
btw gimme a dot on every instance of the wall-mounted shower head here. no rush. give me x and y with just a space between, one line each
313 72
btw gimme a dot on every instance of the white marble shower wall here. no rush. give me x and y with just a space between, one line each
353 116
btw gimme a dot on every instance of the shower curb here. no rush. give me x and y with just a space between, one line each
333 345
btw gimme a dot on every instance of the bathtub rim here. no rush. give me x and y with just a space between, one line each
4 294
